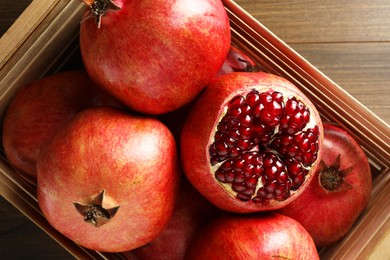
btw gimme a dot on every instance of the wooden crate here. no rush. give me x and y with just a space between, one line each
45 38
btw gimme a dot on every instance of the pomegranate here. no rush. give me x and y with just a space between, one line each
191 212
154 55
251 142
39 109
268 236
108 180
237 60
339 192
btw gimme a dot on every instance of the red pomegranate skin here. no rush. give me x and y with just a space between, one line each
133 159
191 212
237 61
156 55
40 108
329 215
199 129
267 236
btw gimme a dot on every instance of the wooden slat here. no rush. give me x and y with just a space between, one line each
18 33
9 13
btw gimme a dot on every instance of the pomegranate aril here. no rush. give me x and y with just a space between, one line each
270 187
235 111
277 96
229 176
233 133
258 108
244 197
246 109
238 187
230 142
220 176
252 98
282 177
292 150
297 181
244 144
265 98
246 121
248 192
221 148
238 164
234 152
251 182
222 127
227 165
295 168
236 101
270 196
245 132
239 178
233 123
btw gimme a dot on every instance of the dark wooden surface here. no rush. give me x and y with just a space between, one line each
347 40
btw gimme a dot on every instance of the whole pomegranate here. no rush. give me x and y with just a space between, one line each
39 109
251 142
237 60
268 236
339 192
154 55
191 212
108 180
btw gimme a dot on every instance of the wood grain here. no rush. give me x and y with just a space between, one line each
347 40
327 21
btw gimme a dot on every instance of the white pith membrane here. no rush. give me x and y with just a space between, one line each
262 149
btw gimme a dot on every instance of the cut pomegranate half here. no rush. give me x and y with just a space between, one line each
262 137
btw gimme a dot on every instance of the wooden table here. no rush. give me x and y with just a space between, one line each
347 40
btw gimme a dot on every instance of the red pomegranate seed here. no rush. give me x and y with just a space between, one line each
221 148
235 111
238 187
252 98
236 101
245 132
246 120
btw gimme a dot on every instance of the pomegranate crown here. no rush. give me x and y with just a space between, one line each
98 8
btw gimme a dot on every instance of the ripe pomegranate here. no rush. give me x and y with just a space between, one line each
108 180
237 60
191 212
154 55
251 142
268 236
39 109
339 192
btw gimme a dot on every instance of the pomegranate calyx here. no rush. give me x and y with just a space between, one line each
98 8
249 67
332 178
94 213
